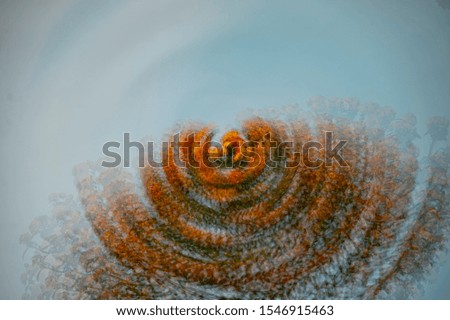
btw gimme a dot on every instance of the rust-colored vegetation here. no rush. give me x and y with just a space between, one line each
247 228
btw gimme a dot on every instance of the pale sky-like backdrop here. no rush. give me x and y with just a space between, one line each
77 73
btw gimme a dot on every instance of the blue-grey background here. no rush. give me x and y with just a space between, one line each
75 74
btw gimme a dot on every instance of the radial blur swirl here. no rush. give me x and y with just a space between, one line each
257 222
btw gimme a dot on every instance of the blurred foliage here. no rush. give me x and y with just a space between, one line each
253 230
